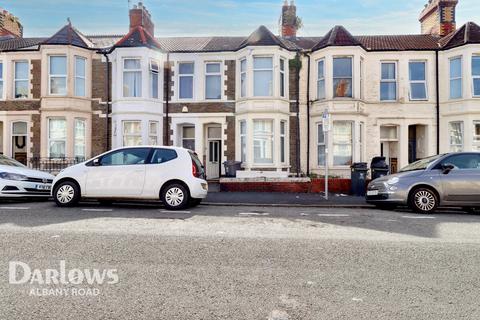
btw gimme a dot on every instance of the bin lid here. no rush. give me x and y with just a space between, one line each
359 165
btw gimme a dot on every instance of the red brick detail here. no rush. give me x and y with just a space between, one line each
230 79
315 186
36 78
35 137
230 141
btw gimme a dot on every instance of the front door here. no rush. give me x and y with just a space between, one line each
213 159
19 142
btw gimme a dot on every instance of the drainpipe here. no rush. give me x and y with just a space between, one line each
297 102
437 89
108 99
308 114
167 98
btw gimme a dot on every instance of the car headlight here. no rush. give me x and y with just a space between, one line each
12 176
393 181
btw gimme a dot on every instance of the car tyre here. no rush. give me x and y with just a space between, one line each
194 202
66 194
423 200
175 196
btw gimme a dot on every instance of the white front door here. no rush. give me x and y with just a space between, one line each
213 159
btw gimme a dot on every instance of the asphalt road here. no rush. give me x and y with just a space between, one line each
241 263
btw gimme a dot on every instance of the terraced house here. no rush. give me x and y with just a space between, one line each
257 99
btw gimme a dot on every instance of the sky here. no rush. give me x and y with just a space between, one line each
228 17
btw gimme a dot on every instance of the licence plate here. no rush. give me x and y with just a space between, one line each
372 193
43 187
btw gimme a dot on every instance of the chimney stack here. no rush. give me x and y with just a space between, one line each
438 17
139 16
10 25
289 20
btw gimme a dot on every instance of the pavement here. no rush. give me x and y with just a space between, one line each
235 262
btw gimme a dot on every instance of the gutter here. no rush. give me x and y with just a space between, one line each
437 89
308 115
297 102
108 100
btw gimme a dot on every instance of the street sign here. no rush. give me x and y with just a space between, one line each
326 121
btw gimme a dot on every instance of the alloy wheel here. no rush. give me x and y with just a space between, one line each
425 200
65 194
174 196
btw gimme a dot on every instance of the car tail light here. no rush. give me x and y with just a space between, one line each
195 172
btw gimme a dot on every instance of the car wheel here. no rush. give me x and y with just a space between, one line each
175 197
386 207
66 194
423 200
194 202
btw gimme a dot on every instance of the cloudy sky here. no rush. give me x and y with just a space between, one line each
228 17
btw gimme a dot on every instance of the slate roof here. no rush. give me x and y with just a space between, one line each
399 42
468 33
337 36
262 37
138 37
68 35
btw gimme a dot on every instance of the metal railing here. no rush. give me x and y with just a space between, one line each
52 165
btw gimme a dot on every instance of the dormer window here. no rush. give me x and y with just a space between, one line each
58 75
21 79
186 71
263 76
342 77
132 78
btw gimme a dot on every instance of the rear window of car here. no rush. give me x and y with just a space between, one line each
163 155
197 163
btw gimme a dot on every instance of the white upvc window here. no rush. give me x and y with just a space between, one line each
263 141
185 76
243 78
343 143
456 136
343 77
153 133
188 137
57 137
321 93
283 141
80 139
388 81
1 80
456 75
320 145
476 135
418 80
21 79
243 140
80 76
132 133
213 81
476 76
132 78
57 76
262 76
283 90
154 83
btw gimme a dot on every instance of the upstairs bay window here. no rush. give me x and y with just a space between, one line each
185 77
57 137
456 136
243 78
321 80
80 138
80 64
263 141
213 81
132 133
263 76
132 78
1 80
154 71
418 80
342 143
21 79
343 77
456 85
388 82
476 75
282 78
57 75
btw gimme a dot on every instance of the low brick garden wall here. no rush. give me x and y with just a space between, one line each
288 185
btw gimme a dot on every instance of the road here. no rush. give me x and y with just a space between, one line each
242 263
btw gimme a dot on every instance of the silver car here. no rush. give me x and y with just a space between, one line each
447 180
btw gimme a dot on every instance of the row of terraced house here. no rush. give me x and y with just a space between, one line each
257 99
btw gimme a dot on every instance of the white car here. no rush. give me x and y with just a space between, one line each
174 175
16 180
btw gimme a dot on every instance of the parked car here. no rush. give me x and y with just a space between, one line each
17 180
174 175
447 180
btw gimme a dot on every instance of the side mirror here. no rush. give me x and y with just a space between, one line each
96 162
447 167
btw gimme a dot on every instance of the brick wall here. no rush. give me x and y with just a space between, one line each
19 105
99 84
207 107
36 73
99 130
230 79
293 144
293 87
230 141
35 135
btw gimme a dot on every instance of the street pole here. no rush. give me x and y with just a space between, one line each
326 130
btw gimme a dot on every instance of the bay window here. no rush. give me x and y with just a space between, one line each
388 82
80 66
243 78
154 71
320 145
282 78
283 141
456 85
21 79
132 78
188 137
476 135
456 136
321 79
243 140
418 80
186 72
132 133
1 80
213 81
80 138
343 77
476 75
342 143
263 141
58 75
153 133
57 137
263 76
